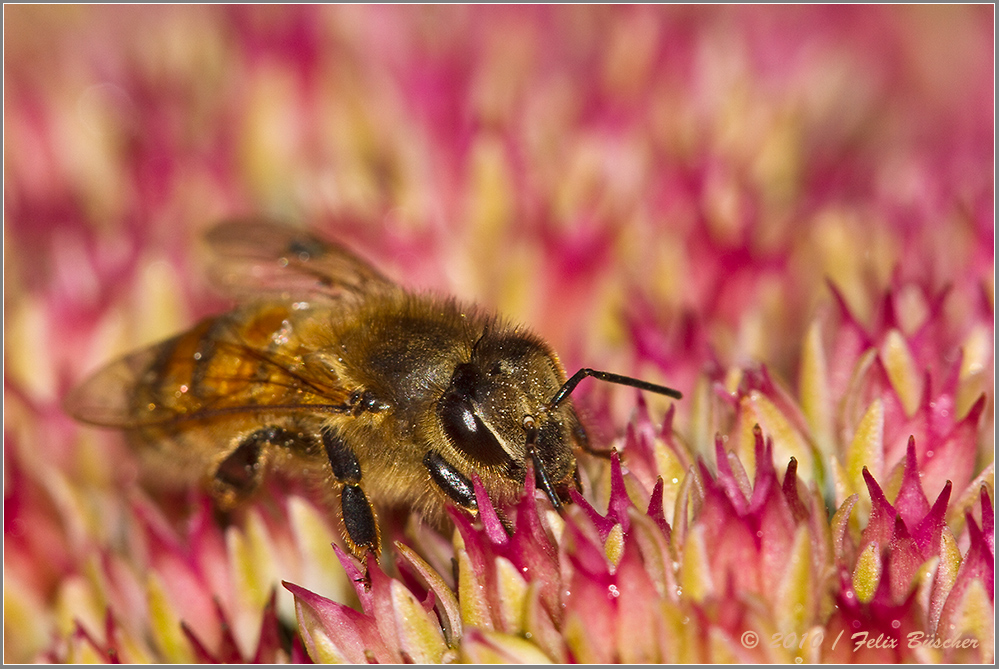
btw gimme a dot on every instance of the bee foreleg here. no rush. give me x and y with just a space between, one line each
359 522
450 480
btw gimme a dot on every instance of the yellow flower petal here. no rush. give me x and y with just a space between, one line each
450 610
702 423
499 648
794 604
164 623
866 449
512 593
970 498
253 570
158 306
320 569
813 382
721 648
902 372
841 484
682 512
974 619
672 471
946 575
77 601
756 409
840 524
681 642
577 638
867 574
975 377
472 595
82 652
26 331
27 625
539 628
317 643
614 546
853 395
695 571
655 550
419 633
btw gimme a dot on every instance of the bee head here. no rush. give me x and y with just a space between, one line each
482 413
509 404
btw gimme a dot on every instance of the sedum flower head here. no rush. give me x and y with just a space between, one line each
742 555
786 213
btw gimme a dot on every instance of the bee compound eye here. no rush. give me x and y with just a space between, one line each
468 433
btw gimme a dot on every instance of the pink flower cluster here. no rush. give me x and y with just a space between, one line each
787 213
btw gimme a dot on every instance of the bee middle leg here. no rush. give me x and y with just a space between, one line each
359 521
240 473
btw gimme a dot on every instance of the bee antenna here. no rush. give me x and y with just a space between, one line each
571 384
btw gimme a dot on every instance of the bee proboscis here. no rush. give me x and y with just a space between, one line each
328 370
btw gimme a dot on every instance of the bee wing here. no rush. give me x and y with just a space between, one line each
257 257
107 397
201 375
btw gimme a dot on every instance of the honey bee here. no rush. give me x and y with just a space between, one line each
328 370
